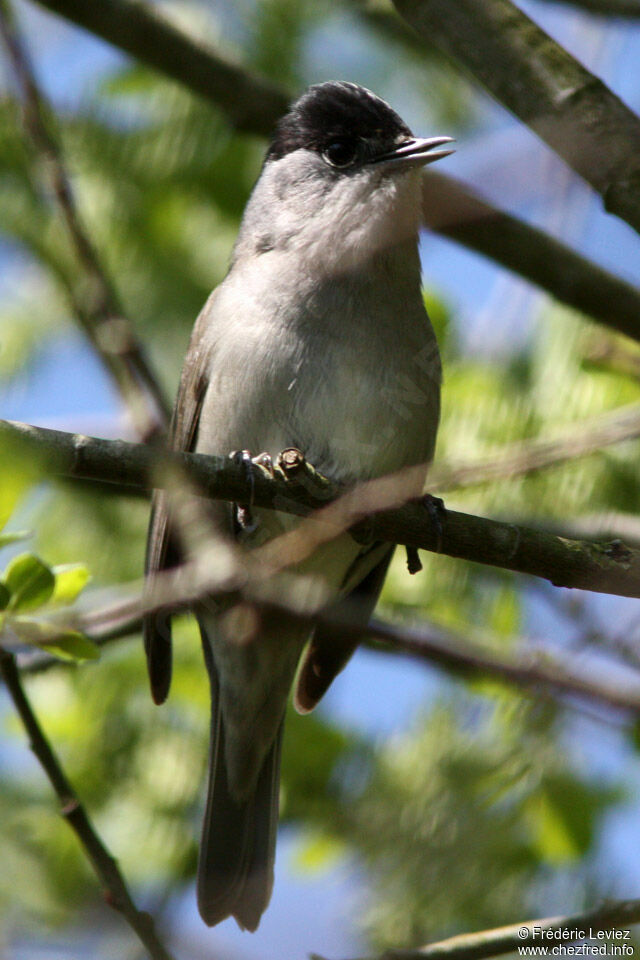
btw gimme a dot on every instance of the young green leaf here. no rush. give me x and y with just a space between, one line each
71 579
5 596
72 645
62 642
30 581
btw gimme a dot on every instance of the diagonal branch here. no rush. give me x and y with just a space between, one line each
601 567
614 914
116 893
529 671
449 208
516 459
95 302
251 102
453 210
538 673
542 84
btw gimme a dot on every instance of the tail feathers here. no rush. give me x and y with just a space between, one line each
156 632
328 654
237 852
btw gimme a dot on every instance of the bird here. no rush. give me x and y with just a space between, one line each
317 339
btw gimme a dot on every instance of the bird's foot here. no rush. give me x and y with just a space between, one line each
243 515
437 514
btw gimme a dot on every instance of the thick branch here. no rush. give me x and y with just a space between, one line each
542 84
453 210
96 307
601 567
449 208
116 893
252 103
493 943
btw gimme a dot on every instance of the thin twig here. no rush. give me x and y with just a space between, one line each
614 914
115 889
365 511
96 306
516 459
449 208
570 108
538 671
241 578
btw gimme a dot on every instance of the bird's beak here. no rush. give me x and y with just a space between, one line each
415 152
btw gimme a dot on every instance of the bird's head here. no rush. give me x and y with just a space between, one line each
340 180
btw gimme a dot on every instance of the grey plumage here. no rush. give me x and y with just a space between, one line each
317 338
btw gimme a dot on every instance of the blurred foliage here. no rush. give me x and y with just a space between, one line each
476 812
463 814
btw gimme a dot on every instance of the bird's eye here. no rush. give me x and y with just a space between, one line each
341 153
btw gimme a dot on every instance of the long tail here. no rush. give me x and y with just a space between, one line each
237 851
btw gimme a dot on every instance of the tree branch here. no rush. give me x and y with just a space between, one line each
538 673
449 208
630 9
542 84
613 914
527 456
95 302
115 889
453 210
251 102
601 567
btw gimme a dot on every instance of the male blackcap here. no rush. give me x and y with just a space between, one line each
317 339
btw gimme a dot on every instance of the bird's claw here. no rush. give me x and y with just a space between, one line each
437 514
243 515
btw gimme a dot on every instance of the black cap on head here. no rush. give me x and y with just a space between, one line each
336 111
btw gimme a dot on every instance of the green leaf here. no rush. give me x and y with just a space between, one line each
8 538
30 581
319 852
71 579
5 596
61 642
19 472
73 645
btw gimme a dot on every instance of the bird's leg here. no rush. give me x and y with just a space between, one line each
437 514
243 517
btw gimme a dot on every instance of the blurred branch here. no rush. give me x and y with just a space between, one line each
542 84
608 353
597 526
94 300
513 460
115 889
453 210
537 671
449 208
493 943
605 8
601 567
251 103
